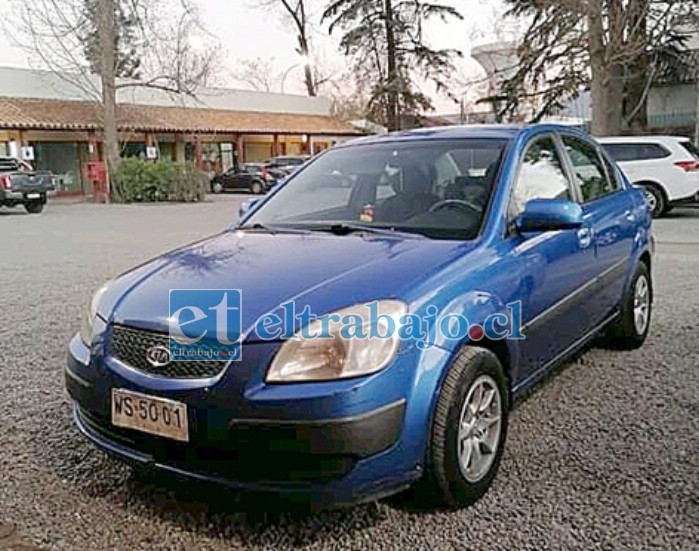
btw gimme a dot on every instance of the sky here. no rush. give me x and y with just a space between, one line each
244 31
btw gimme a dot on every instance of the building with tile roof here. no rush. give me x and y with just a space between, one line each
54 121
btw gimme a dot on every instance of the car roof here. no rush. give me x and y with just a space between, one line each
496 131
642 139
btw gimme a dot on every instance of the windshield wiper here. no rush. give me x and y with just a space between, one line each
272 230
345 228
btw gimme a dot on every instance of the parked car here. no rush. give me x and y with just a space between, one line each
667 167
244 177
20 184
513 253
271 175
287 163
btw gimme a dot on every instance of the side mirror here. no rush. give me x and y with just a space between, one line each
248 206
549 215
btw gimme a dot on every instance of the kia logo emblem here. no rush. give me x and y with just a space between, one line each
158 356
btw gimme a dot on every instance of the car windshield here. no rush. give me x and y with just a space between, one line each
439 189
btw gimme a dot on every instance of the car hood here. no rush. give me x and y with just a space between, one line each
324 271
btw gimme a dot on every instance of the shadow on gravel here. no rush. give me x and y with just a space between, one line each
201 508
249 519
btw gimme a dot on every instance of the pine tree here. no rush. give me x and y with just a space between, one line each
126 47
384 39
615 48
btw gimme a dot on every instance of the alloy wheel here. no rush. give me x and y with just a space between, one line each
480 424
641 305
652 201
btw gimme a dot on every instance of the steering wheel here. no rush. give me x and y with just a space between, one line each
445 203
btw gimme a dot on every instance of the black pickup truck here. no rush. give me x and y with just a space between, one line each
21 185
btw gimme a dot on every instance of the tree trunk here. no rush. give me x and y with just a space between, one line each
107 39
607 83
393 109
640 73
307 70
308 78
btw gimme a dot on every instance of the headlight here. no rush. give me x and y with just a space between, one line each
89 316
335 355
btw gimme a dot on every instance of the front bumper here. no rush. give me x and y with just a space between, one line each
331 460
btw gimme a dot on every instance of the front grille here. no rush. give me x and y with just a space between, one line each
129 345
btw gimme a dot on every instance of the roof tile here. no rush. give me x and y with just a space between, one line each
83 115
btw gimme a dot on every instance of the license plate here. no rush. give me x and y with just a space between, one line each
33 196
158 416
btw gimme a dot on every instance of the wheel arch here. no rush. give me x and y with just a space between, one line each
653 183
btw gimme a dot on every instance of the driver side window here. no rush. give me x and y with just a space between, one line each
541 176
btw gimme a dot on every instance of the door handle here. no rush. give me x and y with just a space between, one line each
585 237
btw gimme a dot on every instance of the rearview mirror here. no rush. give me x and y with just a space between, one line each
549 215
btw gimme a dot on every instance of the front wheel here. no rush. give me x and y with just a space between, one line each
468 430
217 187
630 329
35 207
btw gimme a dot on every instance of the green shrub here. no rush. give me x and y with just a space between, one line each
139 180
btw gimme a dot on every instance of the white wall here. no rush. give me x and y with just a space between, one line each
27 83
667 100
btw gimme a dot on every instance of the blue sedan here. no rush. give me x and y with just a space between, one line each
368 324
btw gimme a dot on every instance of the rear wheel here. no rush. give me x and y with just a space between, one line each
256 187
468 430
630 329
34 207
656 200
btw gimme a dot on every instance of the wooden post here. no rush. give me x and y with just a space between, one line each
150 141
198 153
180 148
275 145
23 139
93 149
239 149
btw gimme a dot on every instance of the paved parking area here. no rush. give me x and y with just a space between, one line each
605 454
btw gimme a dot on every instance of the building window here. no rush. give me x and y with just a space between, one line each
65 160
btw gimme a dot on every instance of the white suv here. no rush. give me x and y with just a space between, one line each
666 166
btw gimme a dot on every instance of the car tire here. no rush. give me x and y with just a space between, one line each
257 187
217 187
35 207
630 329
455 476
656 200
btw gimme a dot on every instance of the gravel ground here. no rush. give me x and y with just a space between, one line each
605 454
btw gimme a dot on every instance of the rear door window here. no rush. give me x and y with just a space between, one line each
636 151
589 169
